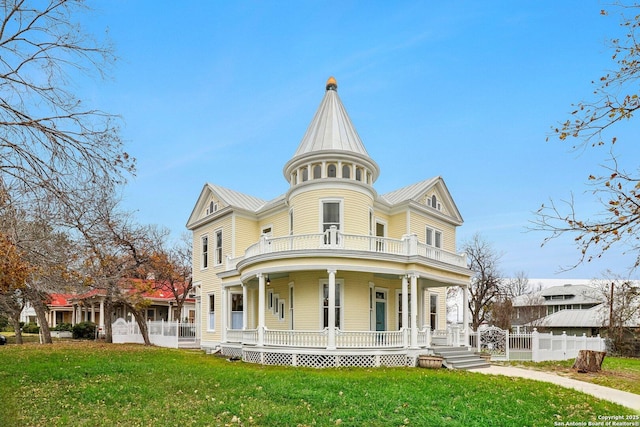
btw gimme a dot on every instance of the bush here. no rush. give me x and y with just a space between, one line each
31 328
63 327
84 330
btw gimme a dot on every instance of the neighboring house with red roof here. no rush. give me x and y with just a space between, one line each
89 307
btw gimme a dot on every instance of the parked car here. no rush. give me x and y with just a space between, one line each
3 340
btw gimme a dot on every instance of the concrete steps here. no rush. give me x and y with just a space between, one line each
460 358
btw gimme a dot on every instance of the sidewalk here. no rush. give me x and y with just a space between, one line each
623 398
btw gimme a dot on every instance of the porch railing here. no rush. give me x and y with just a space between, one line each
320 339
333 239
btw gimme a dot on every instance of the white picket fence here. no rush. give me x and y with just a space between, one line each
535 346
161 333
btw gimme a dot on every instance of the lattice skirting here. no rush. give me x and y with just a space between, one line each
318 359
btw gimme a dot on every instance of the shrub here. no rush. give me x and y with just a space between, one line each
63 327
84 330
31 328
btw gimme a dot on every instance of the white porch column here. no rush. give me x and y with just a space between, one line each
73 314
405 306
261 311
331 344
93 313
223 309
244 306
465 313
414 311
102 314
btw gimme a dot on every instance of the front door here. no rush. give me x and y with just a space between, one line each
381 311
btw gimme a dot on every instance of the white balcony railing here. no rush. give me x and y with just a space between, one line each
333 239
319 338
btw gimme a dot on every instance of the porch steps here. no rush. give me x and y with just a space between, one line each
460 358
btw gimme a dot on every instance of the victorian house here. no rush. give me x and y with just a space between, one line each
330 273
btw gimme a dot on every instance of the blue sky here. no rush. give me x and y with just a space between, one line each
223 92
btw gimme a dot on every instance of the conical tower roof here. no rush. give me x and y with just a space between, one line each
331 127
331 132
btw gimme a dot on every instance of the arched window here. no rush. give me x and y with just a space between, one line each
434 201
331 171
346 171
358 174
305 174
317 172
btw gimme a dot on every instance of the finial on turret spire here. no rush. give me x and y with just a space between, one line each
332 84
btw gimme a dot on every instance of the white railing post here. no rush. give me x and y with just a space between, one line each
535 346
506 340
331 344
261 309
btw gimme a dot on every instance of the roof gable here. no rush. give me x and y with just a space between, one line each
422 193
220 198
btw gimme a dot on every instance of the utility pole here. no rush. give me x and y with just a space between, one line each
611 308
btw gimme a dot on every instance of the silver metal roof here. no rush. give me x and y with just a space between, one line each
591 318
331 127
410 192
237 199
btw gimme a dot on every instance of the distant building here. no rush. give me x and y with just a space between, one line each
567 305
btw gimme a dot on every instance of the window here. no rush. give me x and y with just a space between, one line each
268 231
305 174
358 174
399 298
330 215
346 171
213 207
270 299
433 311
325 299
291 306
331 171
330 218
205 252
218 255
281 312
237 305
212 312
317 171
433 202
434 237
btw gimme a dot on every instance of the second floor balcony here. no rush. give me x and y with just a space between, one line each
333 240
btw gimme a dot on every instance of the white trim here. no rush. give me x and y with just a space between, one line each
385 291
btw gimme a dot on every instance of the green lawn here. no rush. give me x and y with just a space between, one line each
93 384
617 372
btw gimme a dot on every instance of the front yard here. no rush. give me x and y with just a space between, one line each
92 384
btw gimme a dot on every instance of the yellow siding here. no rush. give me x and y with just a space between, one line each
419 225
355 207
279 223
247 233
397 225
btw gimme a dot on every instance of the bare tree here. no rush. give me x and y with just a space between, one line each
616 189
486 284
51 144
621 309
518 285
171 267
